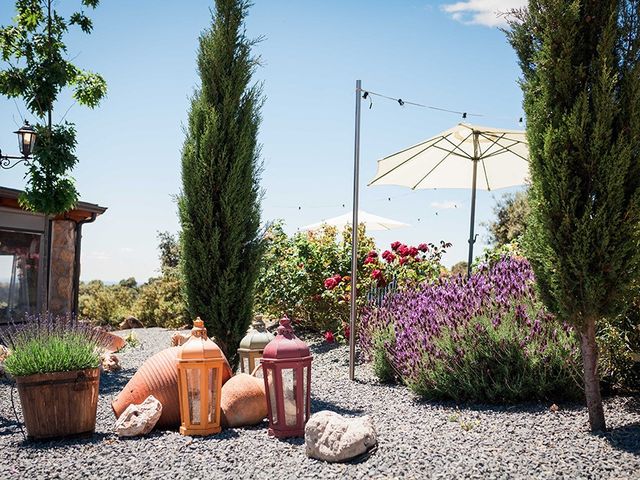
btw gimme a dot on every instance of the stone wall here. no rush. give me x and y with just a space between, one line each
62 261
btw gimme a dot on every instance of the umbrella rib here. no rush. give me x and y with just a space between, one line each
397 166
504 148
432 139
493 142
486 177
457 147
449 153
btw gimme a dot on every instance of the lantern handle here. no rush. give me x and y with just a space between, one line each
253 374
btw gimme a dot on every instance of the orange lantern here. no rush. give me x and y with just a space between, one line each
200 363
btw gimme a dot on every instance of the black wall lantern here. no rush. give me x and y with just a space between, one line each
26 141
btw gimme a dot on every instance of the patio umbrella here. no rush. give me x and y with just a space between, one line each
448 159
371 222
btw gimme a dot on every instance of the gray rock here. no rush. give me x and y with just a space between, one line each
331 437
139 419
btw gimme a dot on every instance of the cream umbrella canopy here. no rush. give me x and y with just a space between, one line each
372 222
447 160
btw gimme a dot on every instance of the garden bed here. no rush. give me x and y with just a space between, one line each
416 439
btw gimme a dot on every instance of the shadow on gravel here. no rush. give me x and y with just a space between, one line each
318 405
633 404
8 426
626 438
323 347
36 445
114 382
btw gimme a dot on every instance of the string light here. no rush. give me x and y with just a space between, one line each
367 94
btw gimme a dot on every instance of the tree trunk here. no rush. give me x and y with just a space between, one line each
591 378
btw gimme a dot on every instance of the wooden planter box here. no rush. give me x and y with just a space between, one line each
60 404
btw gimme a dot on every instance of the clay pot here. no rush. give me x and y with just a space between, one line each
110 341
243 401
158 376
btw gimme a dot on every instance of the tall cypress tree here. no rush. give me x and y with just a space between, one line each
581 81
220 202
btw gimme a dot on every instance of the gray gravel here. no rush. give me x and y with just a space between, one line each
416 439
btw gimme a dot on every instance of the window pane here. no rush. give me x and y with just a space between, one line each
272 396
213 383
193 393
289 387
19 263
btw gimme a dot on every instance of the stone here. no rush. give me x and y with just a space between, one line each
110 363
178 339
131 322
4 353
243 401
332 437
139 419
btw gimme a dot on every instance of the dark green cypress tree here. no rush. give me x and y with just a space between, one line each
220 202
581 81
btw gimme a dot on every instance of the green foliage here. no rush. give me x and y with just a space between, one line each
512 212
580 63
160 301
459 268
132 340
106 304
382 367
219 206
47 345
619 343
37 71
482 362
293 271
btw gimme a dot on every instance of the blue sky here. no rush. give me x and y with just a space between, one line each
440 53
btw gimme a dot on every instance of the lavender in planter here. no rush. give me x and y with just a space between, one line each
47 344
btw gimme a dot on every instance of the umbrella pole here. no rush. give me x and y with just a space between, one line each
472 239
354 237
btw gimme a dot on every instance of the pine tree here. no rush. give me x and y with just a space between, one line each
581 82
220 202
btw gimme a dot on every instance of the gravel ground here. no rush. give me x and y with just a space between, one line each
416 439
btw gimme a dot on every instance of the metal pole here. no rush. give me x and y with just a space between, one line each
472 239
354 237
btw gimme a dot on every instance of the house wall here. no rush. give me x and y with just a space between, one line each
61 273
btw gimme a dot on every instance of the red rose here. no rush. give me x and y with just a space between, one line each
395 245
403 250
376 274
372 253
403 260
423 247
370 260
328 336
388 256
337 278
413 251
347 330
330 283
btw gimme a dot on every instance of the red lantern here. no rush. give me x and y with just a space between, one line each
286 364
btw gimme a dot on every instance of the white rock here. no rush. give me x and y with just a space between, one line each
139 419
331 437
110 363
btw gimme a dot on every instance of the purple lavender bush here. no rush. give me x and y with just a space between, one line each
485 339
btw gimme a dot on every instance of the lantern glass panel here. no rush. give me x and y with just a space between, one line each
213 382
193 392
289 391
272 395
245 365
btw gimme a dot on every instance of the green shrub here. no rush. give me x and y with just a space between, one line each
293 272
106 304
382 367
48 344
619 344
160 301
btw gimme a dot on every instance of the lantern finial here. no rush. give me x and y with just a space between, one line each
285 328
198 329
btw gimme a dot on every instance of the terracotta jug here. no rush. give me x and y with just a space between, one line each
158 376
